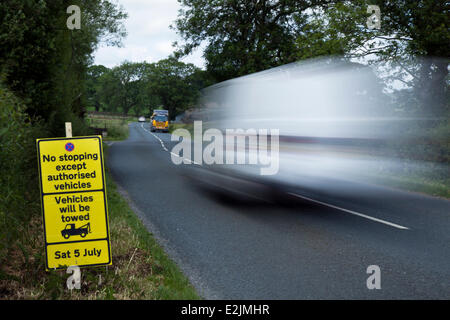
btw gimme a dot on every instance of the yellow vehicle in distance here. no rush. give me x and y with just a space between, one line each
159 121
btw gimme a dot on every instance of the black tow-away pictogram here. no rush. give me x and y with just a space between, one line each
70 230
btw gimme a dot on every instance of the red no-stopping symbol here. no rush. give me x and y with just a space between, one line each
69 146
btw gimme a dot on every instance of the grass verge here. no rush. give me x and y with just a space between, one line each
188 126
439 187
427 182
140 270
117 127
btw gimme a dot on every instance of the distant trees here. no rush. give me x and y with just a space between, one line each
93 86
50 67
142 87
176 84
127 86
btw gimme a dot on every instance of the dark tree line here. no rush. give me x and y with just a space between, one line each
139 88
44 63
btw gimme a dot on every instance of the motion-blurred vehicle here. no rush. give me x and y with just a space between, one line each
141 119
336 126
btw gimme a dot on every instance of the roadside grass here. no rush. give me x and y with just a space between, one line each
432 151
188 126
156 270
439 187
117 126
427 181
434 188
140 268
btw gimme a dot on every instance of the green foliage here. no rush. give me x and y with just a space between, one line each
117 127
141 269
42 66
18 181
128 82
93 85
176 84
139 88
165 279
241 36
412 37
44 62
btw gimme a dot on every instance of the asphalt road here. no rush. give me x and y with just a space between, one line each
314 249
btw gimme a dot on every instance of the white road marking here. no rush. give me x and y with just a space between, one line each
299 196
351 212
165 148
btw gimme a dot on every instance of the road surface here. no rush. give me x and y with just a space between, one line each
318 248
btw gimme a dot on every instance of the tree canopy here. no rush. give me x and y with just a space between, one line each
413 42
50 66
44 62
142 87
241 37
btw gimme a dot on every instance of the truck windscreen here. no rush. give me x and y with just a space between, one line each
161 118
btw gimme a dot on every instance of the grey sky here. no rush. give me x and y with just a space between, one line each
149 36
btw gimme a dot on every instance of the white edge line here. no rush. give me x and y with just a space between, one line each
299 196
351 212
164 146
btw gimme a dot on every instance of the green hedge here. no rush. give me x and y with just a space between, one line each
19 181
17 161
19 187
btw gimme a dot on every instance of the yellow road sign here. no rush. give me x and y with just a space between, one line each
74 207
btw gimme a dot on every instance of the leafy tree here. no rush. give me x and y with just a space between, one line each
413 42
176 84
44 62
130 77
93 85
124 88
143 87
241 36
42 72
